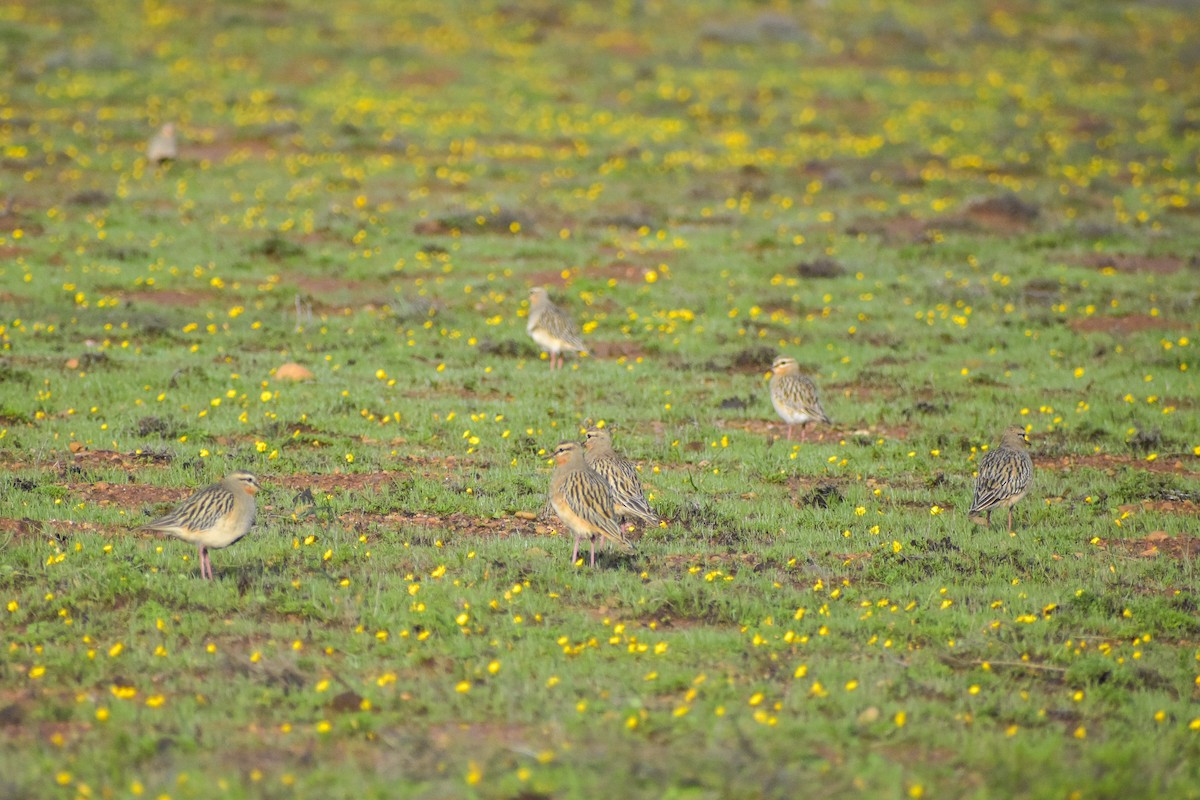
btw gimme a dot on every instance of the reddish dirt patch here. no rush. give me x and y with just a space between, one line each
1175 465
903 229
221 150
550 277
435 77
323 284
811 434
1159 543
1162 506
350 481
104 458
1132 323
323 237
9 252
323 295
1122 262
169 297
57 528
20 527
990 222
127 495
623 272
463 524
615 350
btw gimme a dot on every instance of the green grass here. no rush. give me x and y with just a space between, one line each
956 219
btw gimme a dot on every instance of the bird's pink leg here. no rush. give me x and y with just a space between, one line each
575 552
593 563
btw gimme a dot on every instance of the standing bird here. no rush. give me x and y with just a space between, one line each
629 500
583 501
1004 477
551 327
794 395
162 146
216 516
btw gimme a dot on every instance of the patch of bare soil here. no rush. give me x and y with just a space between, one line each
1162 506
625 271
57 529
812 434
220 150
20 527
126 495
1159 543
1124 262
349 481
1001 214
80 456
550 278
463 524
169 297
1130 323
615 350
434 76
466 223
896 229
1110 464
318 285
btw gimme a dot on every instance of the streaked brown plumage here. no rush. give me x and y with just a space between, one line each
1005 474
216 516
551 327
794 395
629 500
582 500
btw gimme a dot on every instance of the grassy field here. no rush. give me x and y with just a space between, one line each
957 218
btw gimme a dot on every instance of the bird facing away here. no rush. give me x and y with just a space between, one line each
162 146
629 500
551 327
582 500
794 395
1004 477
216 516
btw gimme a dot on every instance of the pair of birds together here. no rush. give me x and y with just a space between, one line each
794 395
1005 473
593 490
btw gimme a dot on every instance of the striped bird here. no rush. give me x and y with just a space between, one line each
629 500
794 395
551 327
1005 474
216 516
582 500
